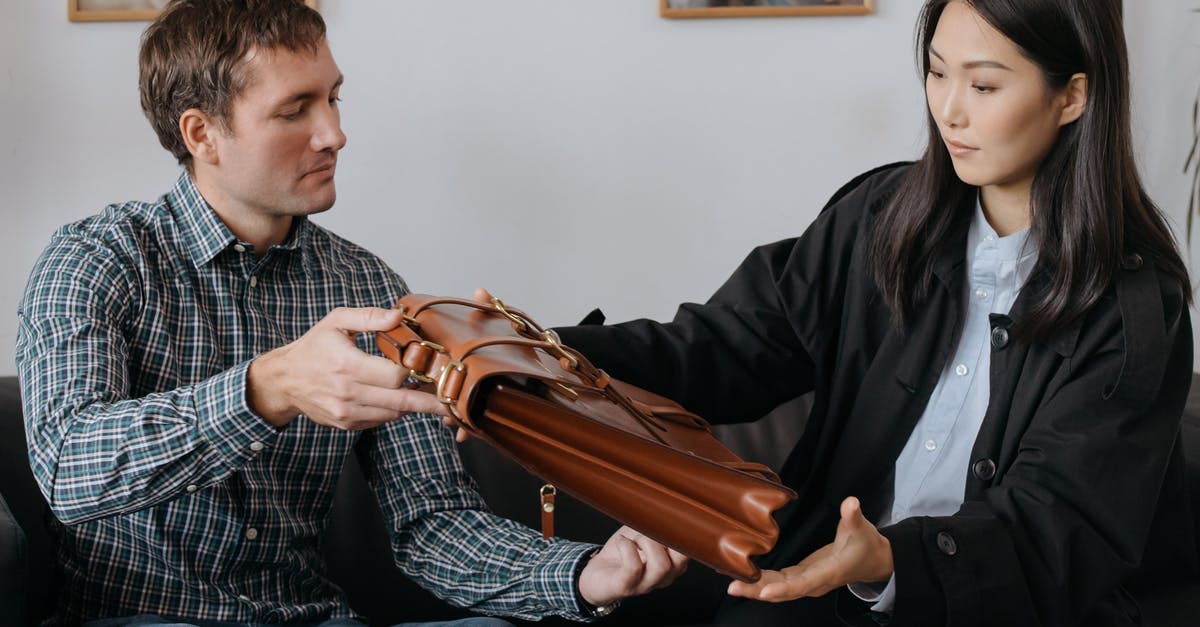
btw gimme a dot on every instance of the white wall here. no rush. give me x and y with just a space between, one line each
1164 44
563 153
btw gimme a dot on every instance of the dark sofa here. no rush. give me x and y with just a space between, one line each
360 561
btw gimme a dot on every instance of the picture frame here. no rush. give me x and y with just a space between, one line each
762 8
121 10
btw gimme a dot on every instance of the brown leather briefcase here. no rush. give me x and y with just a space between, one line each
639 458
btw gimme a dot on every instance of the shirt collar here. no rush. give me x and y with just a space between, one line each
207 235
1013 247
202 229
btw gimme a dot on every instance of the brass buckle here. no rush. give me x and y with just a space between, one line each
550 336
445 376
412 322
522 326
421 376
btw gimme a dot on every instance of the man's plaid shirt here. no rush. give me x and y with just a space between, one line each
136 330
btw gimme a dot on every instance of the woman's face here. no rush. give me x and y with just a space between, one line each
994 111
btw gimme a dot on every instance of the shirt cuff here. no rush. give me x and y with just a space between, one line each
555 578
226 420
882 596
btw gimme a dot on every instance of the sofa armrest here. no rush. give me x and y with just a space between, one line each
14 569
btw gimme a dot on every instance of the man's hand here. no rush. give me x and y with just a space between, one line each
858 553
629 564
324 376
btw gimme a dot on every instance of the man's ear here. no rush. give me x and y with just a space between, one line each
1074 99
200 132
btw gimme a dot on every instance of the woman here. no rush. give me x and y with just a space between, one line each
997 337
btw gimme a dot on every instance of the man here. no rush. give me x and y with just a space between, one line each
192 383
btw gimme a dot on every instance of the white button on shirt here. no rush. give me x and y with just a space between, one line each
253 281
931 471
239 248
252 534
257 446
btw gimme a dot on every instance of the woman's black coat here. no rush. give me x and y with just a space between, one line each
1078 443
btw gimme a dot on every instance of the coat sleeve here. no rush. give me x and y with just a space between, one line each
762 338
1068 521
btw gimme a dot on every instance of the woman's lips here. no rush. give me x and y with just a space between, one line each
959 149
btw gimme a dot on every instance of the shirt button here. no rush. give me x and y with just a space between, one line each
252 534
961 370
193 487
239 248
999 337
243 598
981 293
253 281
930 445
989 238
946 543
257 446
984 469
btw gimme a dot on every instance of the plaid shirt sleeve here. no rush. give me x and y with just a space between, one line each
444 536
94 451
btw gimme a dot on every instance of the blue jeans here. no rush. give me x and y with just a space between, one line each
150 620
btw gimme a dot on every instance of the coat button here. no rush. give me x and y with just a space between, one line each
984 469
999 337
946 543
1132 262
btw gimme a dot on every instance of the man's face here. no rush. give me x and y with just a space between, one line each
278 155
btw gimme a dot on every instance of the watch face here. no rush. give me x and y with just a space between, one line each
604 610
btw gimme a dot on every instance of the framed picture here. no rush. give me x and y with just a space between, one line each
763 8
121 10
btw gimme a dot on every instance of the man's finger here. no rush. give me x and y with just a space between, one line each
377 371
632 568
363 319
460 434
679 560
659 569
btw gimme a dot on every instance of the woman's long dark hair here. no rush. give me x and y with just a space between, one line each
1089 207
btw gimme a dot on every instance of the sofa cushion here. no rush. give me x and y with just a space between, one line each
24 500
13 564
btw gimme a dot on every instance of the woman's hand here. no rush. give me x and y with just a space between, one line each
858 553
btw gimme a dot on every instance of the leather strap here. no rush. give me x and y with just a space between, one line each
548 492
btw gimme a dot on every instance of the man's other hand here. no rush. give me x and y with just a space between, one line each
629 564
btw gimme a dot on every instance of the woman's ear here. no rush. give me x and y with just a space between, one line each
1074 99
199 132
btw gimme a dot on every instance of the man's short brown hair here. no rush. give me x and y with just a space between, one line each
194 57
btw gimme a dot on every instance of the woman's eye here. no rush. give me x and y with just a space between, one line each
291 115
936 74
983 89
